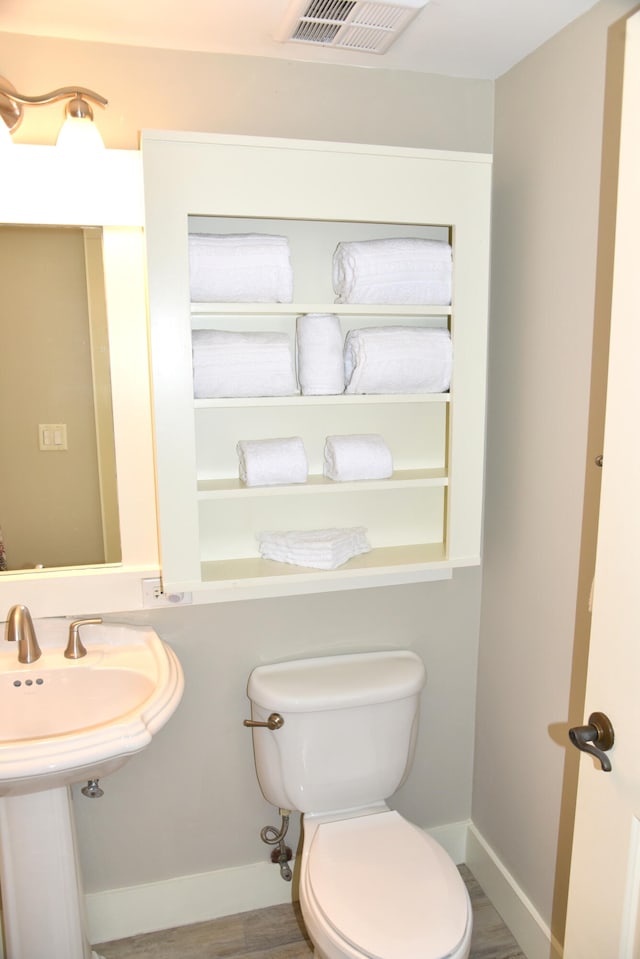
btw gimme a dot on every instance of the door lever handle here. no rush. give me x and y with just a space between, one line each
595 739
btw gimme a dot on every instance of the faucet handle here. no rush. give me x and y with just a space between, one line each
75 648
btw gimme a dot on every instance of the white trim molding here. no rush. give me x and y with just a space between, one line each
149 907
517 911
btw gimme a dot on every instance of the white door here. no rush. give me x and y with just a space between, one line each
604 888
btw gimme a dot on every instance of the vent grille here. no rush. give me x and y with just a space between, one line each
365 25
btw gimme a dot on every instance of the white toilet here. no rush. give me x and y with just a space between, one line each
372 885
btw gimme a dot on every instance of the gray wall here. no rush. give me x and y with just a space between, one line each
172 90
191 803
544 430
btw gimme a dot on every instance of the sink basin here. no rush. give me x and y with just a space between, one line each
59 701
64 721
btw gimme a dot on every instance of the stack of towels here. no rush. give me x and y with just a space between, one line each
319 346
271 462
393 270
377 360
348 456
240 268
357 456
398 359
242 364
315 548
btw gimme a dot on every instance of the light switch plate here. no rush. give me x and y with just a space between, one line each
52 437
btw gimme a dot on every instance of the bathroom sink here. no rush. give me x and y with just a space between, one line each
64 721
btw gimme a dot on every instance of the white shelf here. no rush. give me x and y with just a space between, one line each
426 518
346 399
223 488
201 310
390 559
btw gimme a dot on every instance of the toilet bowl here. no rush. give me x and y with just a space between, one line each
372 885
377 887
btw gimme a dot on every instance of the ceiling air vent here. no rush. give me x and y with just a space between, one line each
368 26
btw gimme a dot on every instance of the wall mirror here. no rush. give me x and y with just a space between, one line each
79 526
58 498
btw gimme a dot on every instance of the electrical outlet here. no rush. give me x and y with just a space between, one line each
152 595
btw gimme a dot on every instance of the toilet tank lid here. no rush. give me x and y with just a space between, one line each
335 682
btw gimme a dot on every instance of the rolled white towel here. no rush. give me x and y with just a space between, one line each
242 364
240 268
398 359
271 462
357 456
319 349
318 549
408 270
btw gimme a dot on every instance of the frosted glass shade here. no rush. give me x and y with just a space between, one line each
79 133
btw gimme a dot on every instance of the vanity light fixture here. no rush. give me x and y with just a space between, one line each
78 128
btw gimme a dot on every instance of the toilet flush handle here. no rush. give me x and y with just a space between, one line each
275 721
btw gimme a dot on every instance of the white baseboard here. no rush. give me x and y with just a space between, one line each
517 911
132 910
150 907
453 838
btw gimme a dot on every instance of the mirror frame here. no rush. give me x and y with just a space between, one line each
47 186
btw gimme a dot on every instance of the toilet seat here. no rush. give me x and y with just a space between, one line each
387 888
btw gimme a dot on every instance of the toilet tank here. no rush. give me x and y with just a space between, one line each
349 729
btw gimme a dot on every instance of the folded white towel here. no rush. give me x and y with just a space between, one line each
319 348
357 456
272 461
242 364
398 359
240 268
316 548
393 270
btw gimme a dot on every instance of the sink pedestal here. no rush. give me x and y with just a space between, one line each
42 897
65 721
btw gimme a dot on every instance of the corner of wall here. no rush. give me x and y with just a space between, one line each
518 912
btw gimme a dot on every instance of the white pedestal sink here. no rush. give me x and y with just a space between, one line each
61 722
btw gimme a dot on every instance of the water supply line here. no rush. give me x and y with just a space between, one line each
275 837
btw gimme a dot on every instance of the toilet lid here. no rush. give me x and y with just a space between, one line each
387 888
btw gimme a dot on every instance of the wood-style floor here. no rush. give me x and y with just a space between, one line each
278 933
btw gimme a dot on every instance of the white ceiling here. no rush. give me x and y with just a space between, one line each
465 38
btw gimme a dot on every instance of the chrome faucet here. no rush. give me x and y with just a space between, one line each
20 629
